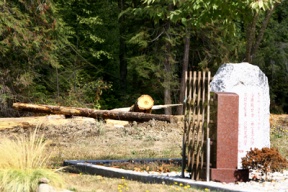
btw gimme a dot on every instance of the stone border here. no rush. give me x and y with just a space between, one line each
90 168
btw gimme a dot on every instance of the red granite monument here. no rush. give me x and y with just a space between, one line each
227 140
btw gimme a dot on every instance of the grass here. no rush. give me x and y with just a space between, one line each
96 183
118 143
91 183
26 180
129 142
23 162
279 133
24 152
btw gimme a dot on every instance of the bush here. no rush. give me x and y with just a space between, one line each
265 159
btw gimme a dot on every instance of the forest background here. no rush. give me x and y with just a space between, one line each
104 54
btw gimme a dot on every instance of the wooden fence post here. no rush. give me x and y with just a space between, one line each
196 121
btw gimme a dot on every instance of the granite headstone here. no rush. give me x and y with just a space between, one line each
251 84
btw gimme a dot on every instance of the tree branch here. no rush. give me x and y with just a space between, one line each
262 31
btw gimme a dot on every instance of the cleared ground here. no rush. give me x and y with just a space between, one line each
85 138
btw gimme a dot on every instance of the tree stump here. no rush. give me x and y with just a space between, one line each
143 104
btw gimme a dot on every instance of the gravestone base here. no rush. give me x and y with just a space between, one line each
229 175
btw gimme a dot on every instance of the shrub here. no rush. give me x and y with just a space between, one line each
23 162
26 180
265 159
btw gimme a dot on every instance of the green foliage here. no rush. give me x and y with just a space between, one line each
26 29
263 4
20 180
91 54
29 45
272 58
5 94
43 49
279 134
278 131
67 52
85 94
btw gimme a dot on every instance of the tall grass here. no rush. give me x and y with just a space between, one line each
23 161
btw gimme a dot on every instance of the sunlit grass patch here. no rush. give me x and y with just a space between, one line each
26 180
88 183
279 134
23 161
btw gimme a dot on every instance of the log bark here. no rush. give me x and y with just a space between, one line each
143 104
97 114
155 107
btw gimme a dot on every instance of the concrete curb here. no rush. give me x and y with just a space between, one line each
90 168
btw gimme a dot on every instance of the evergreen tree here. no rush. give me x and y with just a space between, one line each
28 48
272 57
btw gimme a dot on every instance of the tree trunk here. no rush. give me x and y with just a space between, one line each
184 69
143 104
168 74
122 49
250 37
253 41
97 114
262 31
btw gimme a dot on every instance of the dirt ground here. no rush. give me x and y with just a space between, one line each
86 138
80 138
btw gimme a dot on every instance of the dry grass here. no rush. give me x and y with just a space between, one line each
79 139
94 183
23 162
279 133
133 143
23 152
139 141
130 142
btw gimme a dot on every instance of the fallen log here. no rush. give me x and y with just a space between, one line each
97 114
155 107
143 104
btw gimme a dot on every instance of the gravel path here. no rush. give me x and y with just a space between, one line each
278 182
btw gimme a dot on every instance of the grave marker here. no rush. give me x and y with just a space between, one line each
251 84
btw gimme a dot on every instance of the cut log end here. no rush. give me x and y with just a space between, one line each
143 104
